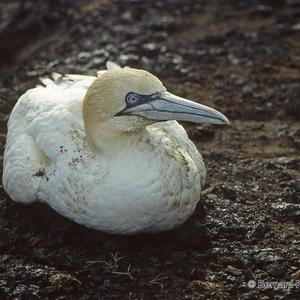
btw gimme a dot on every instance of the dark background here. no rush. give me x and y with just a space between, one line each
241 57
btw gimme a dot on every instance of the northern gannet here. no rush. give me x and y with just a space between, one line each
107 151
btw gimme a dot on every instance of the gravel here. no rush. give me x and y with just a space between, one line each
241 57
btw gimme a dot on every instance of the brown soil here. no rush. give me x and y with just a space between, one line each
242 57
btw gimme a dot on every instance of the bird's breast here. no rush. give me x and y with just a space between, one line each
154 178
150 183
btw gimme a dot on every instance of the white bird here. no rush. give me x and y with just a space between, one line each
106 151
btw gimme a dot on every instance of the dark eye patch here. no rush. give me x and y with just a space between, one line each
133 99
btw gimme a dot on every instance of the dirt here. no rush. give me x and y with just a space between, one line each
241 57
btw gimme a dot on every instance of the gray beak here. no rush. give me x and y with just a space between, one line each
166 106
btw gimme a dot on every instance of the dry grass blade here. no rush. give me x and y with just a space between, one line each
157 280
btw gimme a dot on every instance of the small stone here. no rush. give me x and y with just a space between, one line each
20 290
276 269
259 230
228 192
284 160
296 275
292 104
4 289
151 48
5 234
264 10
203 132
127 59
285 209
204 287
249 89
296 27
65 282
234 271
296 185
266 256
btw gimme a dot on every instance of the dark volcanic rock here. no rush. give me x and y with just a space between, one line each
287 210
240 57
292 103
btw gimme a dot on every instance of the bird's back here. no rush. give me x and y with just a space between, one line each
37 123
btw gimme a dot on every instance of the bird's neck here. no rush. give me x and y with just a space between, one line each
104 138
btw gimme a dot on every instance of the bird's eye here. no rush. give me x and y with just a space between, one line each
132 98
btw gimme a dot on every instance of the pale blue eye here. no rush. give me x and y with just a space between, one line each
132 99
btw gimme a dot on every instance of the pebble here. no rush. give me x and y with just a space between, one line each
292 103
241 71
296 275
287 210
276 269
202 132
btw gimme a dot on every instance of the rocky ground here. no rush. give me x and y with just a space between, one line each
241 57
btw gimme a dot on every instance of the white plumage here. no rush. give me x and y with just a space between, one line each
142 179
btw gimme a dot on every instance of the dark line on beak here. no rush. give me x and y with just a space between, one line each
172 112
188 113
185 105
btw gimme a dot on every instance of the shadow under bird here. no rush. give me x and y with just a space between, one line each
107 151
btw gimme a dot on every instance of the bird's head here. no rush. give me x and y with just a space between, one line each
127 99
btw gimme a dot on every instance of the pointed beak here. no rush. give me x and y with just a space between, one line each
166 106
